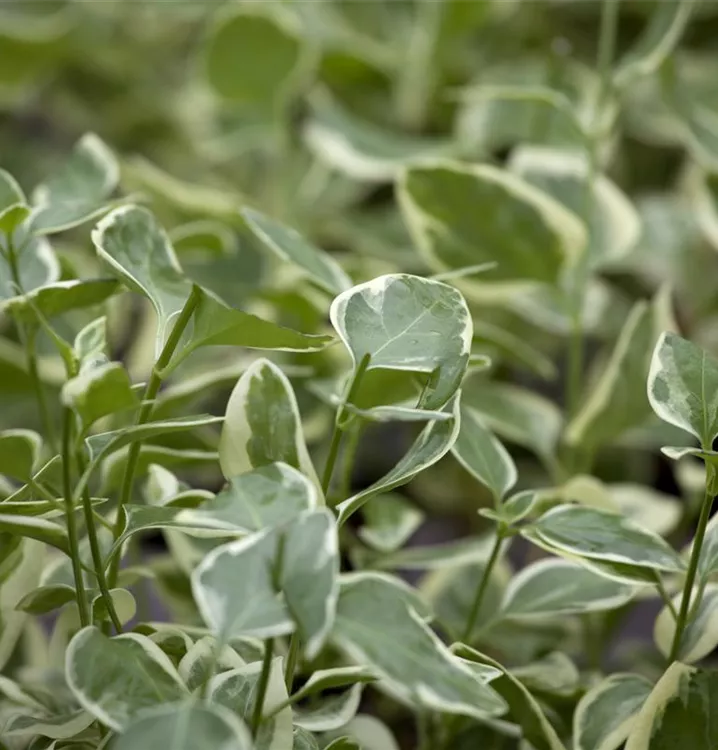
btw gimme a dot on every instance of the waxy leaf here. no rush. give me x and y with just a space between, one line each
332 712
329 679
679 712
203 659
389 522
138 251
37 266
552 675
558 587
482 455
116 679
405 322
606 713
658 40
376 626
251 57
605 542
46 599
683 387
700 636
185 726
79 190
290 246
439 206
237 691
262 424
433 443
98 391
273 582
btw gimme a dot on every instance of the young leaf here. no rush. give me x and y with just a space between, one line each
262 424
237 691
291 247
138 251
432 556
559 587
333 712
251 57
40 529
438 203
552 675
304 740
237 586
681 708
116 679
11 193
203 659
216 324
185 726
606 713
262 498
79 190
683 387
98 391
522 706
700 636
433 443
483 456
377 627
405 322
661 35
46 599
331 679
37 266
19 451
397 413
389 522
595 536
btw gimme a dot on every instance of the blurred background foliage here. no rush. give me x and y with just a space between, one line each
309 111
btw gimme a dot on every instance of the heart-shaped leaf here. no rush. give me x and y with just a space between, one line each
606 713
405 322
262 424
375 626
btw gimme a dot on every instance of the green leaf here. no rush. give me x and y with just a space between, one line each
606 713
439 207
708 560
553 675
360 149
343 743
559 587
46 599
253 57
331 713
11 193
645 506
659 38
679 712
483 456
613 223
523 707
60 297
237 691
515 414
63 723
98 391
288 574
205 237
433 443
41 529
204 659
19 452
216 324
291 247
406 322
79 190
432 556
12 217
370 733
602 540
304 740
617 401
376 627
683 387
185 726
389 522
262 498
331 679
37 266
138 251
262 424
116 679
700 636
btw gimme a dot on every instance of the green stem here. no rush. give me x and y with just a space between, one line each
148 398
482 587
606 51
350 451
682 620
262 685
665 596
72 535
97 560
338 427
292 659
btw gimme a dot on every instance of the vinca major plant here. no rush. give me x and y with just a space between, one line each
243 401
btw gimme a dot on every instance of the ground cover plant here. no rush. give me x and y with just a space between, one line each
357 375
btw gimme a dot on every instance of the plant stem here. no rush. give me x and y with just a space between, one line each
70 518
665 596
482 587
151 390
338 428
292 658
350 451
262 685
682 620
95 551
606 51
